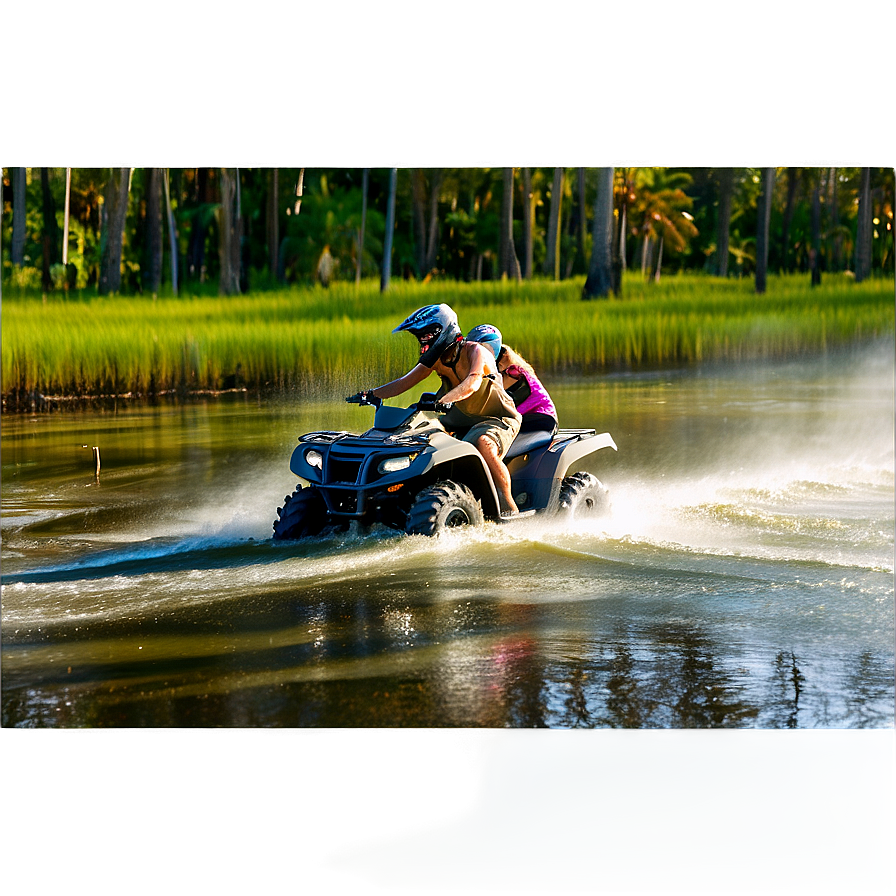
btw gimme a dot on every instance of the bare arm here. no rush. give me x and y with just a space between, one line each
415 375
467 386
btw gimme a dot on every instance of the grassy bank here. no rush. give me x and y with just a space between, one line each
340 338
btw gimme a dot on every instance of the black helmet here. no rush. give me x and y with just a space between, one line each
436 329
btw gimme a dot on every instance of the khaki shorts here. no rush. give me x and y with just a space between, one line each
501 430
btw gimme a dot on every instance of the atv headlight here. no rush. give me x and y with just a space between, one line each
394 464
314 458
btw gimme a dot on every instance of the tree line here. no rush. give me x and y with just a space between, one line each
231 230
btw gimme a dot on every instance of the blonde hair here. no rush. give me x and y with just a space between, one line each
515 359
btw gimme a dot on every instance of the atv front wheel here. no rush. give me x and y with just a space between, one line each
302 515
442 506
583 495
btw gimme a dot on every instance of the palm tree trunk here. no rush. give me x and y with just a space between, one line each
237 246
195 262
228 236
364 181
116 204
582 222
68 205
390 227
418 188
600 274
17 248
863 229
762 229
172 234
726 190
152 281
815 252
793 179
659 263
619 240
528 223
510 265
432 239
274 223
833 219
50 233
552 256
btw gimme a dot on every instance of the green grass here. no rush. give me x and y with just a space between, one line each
341 337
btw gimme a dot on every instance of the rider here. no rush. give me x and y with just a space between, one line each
520 382
470 382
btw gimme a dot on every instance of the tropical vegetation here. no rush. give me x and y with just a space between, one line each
196 231
146 281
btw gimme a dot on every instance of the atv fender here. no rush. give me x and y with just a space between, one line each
461 462
540 474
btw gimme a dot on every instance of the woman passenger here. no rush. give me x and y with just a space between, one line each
520 381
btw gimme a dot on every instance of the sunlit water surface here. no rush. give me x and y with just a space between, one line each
743 579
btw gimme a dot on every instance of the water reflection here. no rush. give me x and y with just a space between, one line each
368 661
758 595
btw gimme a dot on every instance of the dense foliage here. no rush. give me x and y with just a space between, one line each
295 226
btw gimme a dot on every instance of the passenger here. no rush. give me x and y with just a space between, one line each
470 382
520 381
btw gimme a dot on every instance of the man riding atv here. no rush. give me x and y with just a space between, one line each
471 384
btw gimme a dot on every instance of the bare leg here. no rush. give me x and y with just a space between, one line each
500 476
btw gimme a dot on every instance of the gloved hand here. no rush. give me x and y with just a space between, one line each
365 396
429 402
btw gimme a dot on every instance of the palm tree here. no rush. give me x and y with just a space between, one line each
599 281
793 182
528 223
229 233
762 227
510 265
552 257
390 228
273 222
115 208
662 207
815 251
365 179
726 190
863 228
17 248
152 278
172 233
50 233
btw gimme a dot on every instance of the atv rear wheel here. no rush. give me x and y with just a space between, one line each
583 496
442 506
302 515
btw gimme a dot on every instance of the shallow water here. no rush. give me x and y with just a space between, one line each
743 579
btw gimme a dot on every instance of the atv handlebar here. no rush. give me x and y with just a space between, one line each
427 402
365 398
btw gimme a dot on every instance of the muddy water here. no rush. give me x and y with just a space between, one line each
743 579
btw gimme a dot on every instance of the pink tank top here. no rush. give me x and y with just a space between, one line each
538 402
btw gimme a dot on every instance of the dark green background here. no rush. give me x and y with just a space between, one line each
480 83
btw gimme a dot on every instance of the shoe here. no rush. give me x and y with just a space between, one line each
508 516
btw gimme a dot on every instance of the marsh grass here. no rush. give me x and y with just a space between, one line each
340 338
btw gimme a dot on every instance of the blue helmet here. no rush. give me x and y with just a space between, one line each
487 335
436 329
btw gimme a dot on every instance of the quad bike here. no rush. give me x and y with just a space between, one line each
408 473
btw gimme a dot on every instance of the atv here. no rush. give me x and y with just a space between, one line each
408 473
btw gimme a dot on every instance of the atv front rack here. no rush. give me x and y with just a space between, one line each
327 436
